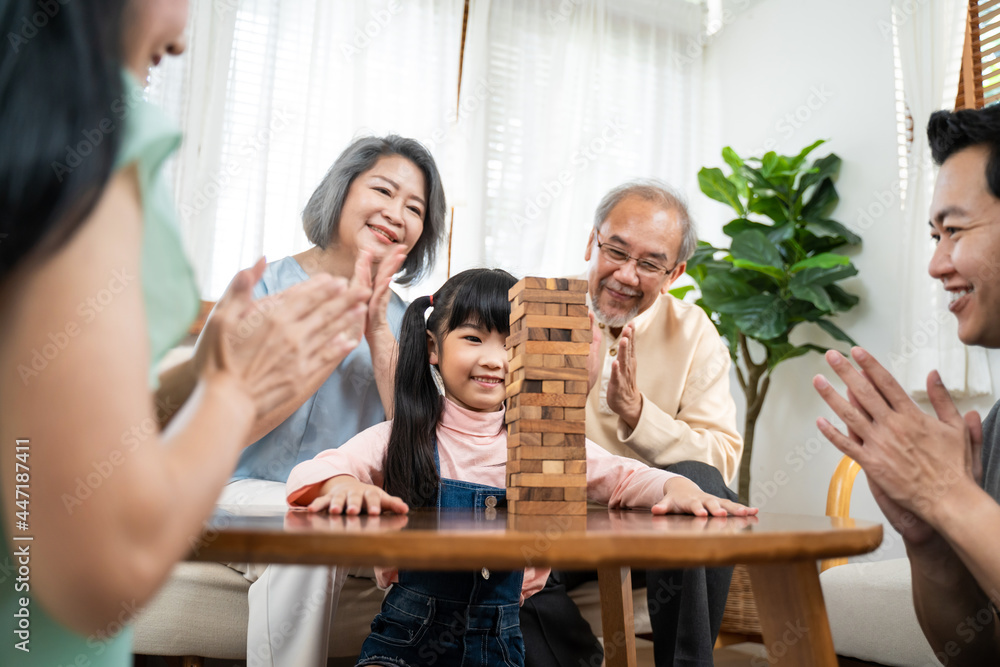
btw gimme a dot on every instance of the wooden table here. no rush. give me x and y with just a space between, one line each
780 551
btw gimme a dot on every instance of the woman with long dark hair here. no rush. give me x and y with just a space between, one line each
99 501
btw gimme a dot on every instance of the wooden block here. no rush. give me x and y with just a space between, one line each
536 373
574 360
521 440
539 452
525 387
527 308
575 440
565 400
580 336
528 282
541 347
549 360
554 440
576 310
556 309
576 493
552 426
534 479
524 412
547 296
541 507
535 347
578 387
571 414
526 334
575 467
547 412
513 402
526 465
524 360
537 493
553 386
577 285
556 283
556 322
564 335
551 467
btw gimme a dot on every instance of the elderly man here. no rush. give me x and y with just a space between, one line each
937 478
662 398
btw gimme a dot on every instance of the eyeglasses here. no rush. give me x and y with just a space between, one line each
643 267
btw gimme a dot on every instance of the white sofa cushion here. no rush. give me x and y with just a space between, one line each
870 606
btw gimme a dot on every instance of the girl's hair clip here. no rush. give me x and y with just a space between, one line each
431 297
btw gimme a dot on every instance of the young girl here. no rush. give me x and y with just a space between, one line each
452 452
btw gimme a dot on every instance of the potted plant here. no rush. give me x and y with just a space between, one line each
779 270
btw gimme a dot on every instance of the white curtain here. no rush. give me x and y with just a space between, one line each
567 100
560 102
930 35
269 93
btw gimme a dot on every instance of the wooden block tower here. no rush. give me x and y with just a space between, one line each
546 397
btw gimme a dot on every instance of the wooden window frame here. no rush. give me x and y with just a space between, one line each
971 92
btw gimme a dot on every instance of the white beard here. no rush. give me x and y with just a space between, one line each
613 320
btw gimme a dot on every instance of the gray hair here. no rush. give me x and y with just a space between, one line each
660 193
321 216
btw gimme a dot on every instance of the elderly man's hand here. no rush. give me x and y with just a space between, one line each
913 460
624 397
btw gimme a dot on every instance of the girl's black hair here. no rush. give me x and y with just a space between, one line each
60 74
476 296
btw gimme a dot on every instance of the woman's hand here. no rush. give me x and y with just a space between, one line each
378 333
682 496
344 494
378 282
272 345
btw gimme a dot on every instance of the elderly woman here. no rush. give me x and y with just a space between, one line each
99 502
382 198
381 203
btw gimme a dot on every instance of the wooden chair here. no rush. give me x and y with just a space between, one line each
869 603
838 499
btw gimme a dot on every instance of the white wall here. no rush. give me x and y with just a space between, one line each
790 72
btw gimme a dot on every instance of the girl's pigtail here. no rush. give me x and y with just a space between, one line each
410 472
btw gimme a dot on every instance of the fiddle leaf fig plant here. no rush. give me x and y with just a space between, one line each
779 271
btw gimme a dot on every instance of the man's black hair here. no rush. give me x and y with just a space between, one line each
949 132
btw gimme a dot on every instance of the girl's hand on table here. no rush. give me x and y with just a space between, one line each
344 494
682 496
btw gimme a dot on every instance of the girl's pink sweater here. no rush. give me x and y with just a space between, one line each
472 447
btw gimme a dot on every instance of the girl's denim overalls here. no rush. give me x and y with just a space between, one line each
453 619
